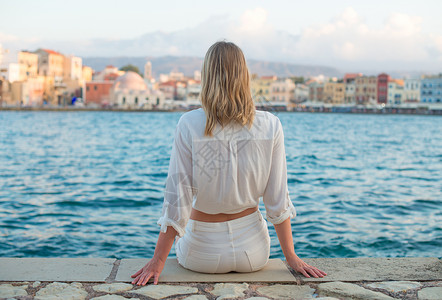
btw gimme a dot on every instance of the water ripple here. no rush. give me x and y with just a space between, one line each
91 183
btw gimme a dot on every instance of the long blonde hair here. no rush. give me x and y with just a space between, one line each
225 87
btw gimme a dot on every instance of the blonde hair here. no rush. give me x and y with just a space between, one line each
225 87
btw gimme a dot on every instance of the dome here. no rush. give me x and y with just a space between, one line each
130 81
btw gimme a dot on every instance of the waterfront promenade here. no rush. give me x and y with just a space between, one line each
106 278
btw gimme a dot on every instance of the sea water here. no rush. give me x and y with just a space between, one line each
78 184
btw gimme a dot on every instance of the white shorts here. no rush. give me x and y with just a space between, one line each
240 245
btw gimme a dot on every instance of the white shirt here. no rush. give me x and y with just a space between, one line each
228 172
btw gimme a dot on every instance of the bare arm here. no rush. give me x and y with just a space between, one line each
155 266
284 233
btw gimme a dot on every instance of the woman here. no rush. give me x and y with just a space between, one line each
225 157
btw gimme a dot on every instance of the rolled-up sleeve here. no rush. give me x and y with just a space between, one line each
276 197
178 195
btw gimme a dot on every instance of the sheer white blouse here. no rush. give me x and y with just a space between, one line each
228 172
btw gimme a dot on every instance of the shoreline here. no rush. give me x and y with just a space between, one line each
107 278
328 110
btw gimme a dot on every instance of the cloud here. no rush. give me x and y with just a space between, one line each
346 41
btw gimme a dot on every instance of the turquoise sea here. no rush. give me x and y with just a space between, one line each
78 184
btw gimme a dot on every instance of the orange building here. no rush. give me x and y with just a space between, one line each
98 92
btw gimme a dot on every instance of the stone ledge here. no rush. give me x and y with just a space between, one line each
55 269
376 268
274 271
110 270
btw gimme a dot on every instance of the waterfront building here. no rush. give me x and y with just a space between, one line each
130 91
177 76
193 91
73 68
382 87
412 90
87 73
110 73
168 88
29 92
366 90
350 87
301 93
395 91
334 92
282 91
50 63
431 89
98 93
316 90
260 88
19 66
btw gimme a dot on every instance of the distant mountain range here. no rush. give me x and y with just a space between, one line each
188 64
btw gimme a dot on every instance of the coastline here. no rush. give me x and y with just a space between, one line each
337 109
106 278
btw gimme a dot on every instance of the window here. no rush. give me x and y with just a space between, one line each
95 87
87 88
124 100
136 100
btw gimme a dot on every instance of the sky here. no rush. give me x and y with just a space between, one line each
349 35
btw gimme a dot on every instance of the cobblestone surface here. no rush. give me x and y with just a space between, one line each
213 291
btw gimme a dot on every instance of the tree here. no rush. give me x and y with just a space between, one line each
130 67
297 79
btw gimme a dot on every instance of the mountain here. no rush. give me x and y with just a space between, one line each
188 64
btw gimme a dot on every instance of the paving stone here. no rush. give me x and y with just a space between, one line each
55 269
229 290
280 291
376 269
326 298
162 291
36 283
430 293
274 271
196 297
8 290
395 286
61 290
258 298
348 290
112 297
113 287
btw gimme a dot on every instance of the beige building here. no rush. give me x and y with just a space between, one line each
19 66
73 68
412 90
28 64
282 91
50 63
316 90
395 91
29 92
260 88
334 92
87 73
366 89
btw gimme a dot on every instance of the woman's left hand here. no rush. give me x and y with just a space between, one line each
152 269
305 269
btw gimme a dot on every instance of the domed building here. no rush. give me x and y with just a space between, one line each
131 91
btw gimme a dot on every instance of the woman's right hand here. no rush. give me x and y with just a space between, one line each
152 269
302 267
